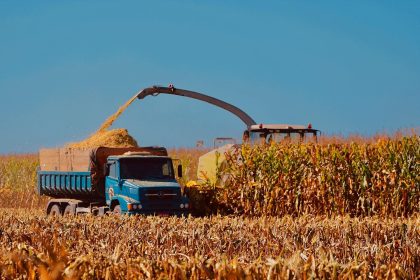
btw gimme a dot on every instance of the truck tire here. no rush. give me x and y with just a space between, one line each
69 210
117 210
55 211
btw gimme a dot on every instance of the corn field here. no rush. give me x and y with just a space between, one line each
338 209
115 247
18 181
382 178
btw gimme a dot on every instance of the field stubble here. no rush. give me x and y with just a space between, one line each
225 247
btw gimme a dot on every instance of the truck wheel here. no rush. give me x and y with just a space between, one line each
69 210
55 211
117 210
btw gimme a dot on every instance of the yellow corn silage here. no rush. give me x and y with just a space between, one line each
103 137
115 138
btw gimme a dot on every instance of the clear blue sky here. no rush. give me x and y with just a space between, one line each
344 66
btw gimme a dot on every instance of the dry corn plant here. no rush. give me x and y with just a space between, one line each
37 247
18 181
382 178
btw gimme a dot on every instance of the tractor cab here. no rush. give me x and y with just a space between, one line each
280 133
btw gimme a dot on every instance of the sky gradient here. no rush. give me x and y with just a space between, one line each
346 67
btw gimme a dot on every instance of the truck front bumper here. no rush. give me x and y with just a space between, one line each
162 213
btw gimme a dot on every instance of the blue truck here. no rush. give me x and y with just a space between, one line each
111 180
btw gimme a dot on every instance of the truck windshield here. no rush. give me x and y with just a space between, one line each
146 168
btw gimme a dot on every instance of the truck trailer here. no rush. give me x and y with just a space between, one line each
110 180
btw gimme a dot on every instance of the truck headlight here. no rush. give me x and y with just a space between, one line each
133 206
187 205
182 205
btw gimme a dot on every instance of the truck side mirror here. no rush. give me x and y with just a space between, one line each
179 170
106 169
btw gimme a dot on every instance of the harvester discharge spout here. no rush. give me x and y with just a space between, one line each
171 90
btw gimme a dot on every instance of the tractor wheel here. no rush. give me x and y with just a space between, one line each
69 210
117 210
55 211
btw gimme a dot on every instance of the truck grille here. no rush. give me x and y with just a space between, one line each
160 194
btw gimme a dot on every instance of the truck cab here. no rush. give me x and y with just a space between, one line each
140 183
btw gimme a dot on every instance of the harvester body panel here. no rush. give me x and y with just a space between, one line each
211 162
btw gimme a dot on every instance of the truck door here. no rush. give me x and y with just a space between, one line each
111 181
